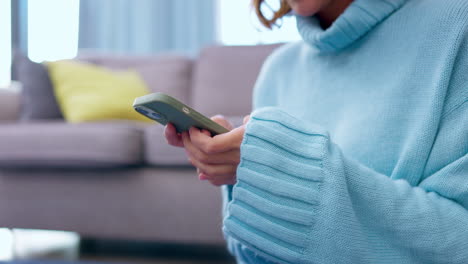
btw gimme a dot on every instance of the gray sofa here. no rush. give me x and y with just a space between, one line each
120 180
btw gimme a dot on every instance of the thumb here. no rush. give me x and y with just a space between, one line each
222 121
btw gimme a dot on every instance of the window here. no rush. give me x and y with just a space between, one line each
52 29
5 43
6 241
52 32
238 25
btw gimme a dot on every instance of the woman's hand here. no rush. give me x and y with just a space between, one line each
216 158
172 137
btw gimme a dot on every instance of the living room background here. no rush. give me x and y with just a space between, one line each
48 30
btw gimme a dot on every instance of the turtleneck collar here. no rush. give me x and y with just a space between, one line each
358 19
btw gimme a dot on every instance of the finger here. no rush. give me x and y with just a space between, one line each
231 157
185 139
246 119
218 181
202 176
222 178
172 137
206 132
219 143
190 150
222 121
215 170
221 183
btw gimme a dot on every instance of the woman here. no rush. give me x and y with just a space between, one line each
357 149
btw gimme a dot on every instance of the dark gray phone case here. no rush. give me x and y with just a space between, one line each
165 109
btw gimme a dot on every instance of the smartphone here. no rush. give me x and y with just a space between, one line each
164 109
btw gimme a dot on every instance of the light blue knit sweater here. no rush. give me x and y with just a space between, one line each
357 150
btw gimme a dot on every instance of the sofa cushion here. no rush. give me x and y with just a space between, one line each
9 105
158 152
59 144
87 92
224 77
169 74
37 96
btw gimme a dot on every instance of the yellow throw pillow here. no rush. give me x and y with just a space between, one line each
87 92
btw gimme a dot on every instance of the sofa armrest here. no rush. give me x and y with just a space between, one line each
9 105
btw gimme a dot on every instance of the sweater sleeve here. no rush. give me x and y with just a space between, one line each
298 199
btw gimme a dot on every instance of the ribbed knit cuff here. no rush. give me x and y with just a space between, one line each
277 194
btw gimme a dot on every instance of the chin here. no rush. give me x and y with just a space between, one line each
307 7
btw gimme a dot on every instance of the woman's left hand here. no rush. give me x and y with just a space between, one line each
216 158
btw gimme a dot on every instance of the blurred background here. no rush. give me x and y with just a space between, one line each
64 192
49 30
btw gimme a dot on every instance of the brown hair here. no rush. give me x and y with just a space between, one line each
269 23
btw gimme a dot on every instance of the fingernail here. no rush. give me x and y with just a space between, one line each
202 177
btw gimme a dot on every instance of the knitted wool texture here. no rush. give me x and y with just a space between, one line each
357 149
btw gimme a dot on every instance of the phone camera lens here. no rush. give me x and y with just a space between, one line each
156 115
141 111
